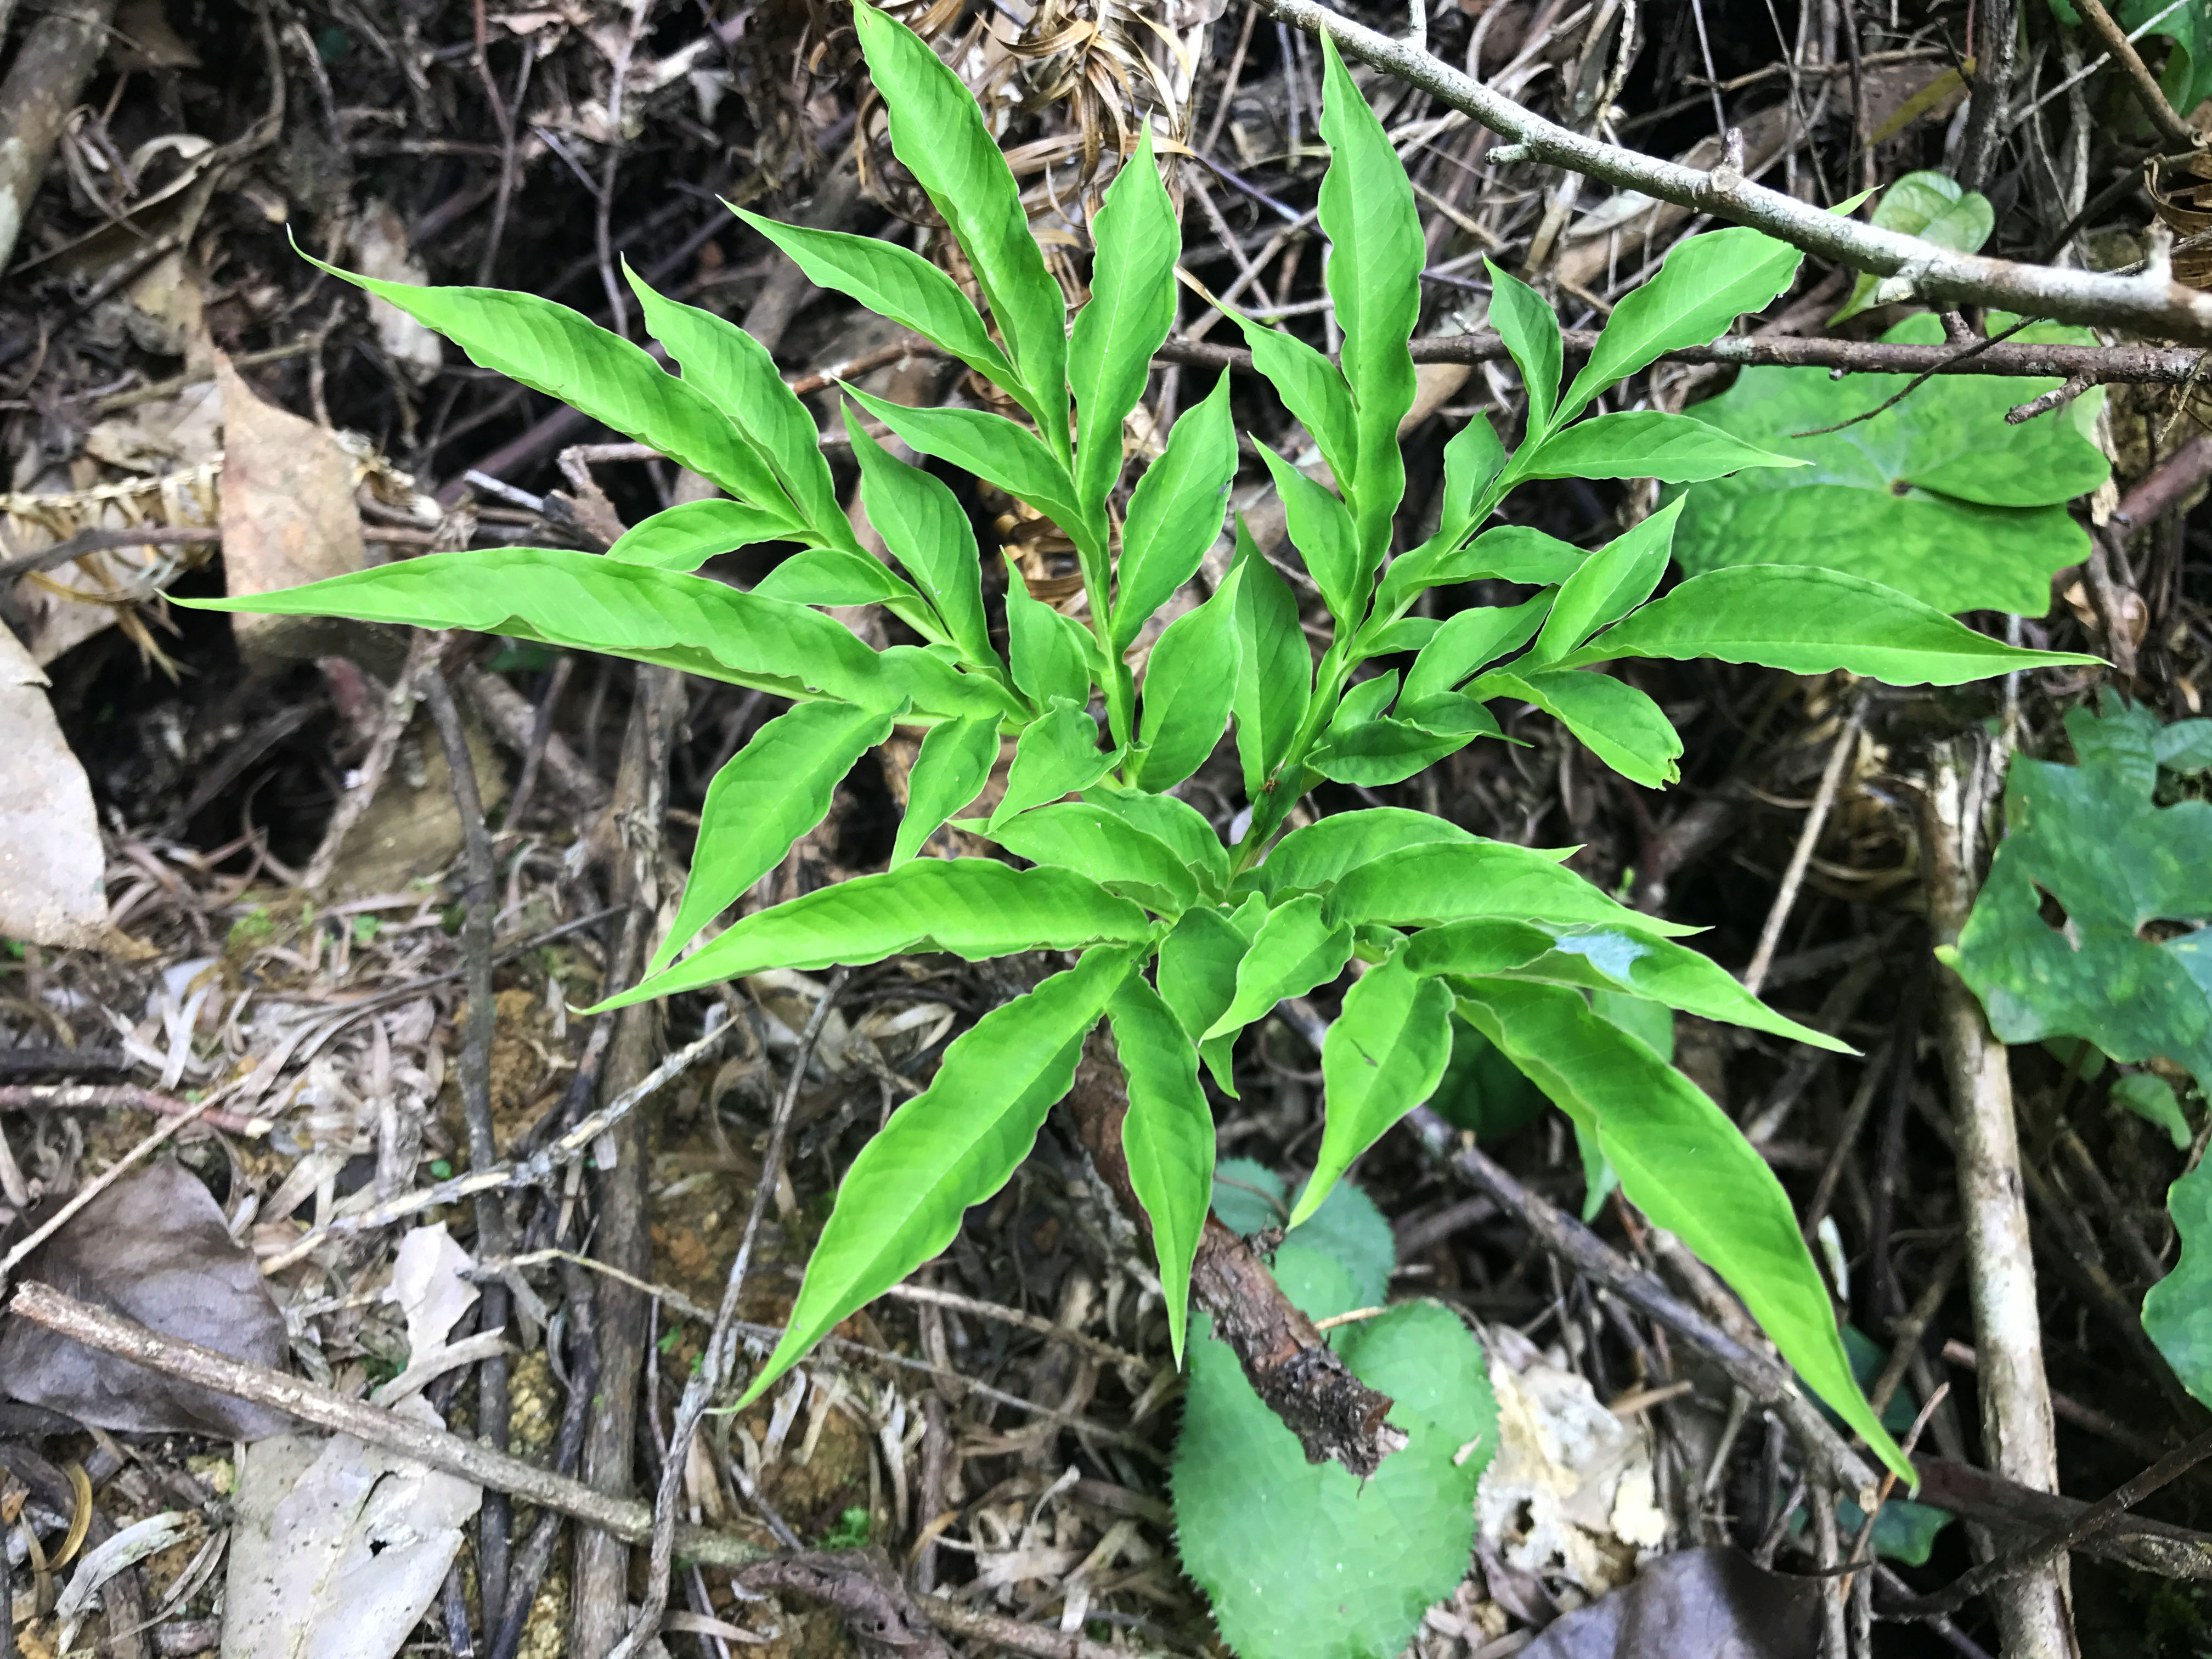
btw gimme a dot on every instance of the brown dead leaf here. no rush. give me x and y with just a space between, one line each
153 1248
288 517
1713 1602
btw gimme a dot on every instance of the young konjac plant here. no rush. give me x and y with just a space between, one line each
1120 869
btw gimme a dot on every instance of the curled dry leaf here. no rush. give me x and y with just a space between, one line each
153 1248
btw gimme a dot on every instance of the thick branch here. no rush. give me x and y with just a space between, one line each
2151 305
1336 1416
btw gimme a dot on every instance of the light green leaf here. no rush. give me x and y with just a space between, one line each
949 771
897 283
1048 662
736 373
989 446
1531 332
1448 715
1249 1198
1472 640
1511 553
1619 724
1322 529
1933 206
2151 1098
1363 702
831 576
937 131
936 686
685 537
1274 666
1198 970
1137 240
1684 1164
1056 755
1190 682
1605 957
1473 459
1706 282
922 523
1167 1137
1295 949
1379 752
1118 856
772 792
565 355
951 1146
1175 512
972 907
1647 443
1423 887
1384 1055
1612 582
1376 253
1406 634
1810 621
1315 859
1177 822
583 602
1311 388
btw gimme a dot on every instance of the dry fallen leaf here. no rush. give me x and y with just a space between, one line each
1712 1603
381 250
155 1248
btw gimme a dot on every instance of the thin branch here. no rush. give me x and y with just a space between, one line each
2152 304
2118 44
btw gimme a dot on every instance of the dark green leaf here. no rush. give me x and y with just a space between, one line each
922 523
1612 582
1112 852
1684 1164
1384 1055
972 907
2151 1098
772 792
1619 724
1056 755
1531 333
954 763
1175 512
2177 1312
1167 1136
1809 620
1274 666
1295 949
685 537
1133 305
950 1147
1647 443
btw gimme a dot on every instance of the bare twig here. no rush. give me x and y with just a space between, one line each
111 1097
2117 44
1800 857
2154 306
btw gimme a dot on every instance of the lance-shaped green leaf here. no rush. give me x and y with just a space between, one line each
1375 257
1315 859
1473 459
937 131
1448 715
1167 1136
935 686
1706 283
565 355
1297 948
583 602
1619 724
922 523
686 536
1175 512
1274 666
1531 332
1177 822
1322 529
949 771
1379 752
1809 620
1647 443
1137 240
1311 388
736 373
1612 582
951 1146
972 907
897 283
1113 852
772 792
1384 1055
1449 881
832 575
989 446
1472 641
1049 662
1510 553
1197 976
1604 957
1684 1164
1189 685
1056 755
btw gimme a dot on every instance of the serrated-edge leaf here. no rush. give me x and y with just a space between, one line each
1381 1057
772 792
951 1146
954 763
1167 1137
971 907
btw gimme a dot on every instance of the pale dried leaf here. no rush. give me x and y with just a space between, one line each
428 1285
381 250
51 864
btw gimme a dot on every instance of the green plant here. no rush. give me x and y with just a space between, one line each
1430 917
2186 79
1351 1579
1933 206
1937 497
